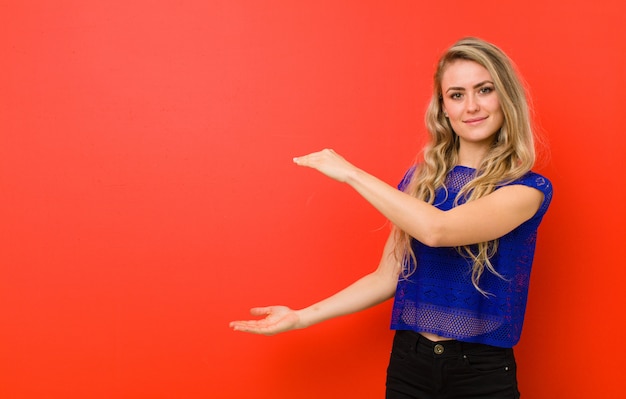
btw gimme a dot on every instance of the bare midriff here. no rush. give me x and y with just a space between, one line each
434 337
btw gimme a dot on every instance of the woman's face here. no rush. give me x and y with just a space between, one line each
471 103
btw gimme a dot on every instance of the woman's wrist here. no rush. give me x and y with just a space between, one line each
303 316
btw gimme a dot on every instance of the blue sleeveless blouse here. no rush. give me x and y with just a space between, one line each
439 297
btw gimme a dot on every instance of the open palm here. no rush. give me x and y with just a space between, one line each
277 319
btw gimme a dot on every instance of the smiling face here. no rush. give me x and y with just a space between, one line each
471 104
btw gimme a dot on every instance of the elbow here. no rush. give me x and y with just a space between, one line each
431 230
435 236
434 241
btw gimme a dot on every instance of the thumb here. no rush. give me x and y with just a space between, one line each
260 311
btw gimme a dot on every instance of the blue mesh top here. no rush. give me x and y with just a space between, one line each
439 297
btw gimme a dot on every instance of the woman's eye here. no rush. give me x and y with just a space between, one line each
455 96
486 90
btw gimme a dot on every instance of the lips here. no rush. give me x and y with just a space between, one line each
475 120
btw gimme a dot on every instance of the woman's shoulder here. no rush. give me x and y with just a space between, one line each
535 180
539 182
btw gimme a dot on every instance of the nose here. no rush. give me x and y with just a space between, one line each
472 104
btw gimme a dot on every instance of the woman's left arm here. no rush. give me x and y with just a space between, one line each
485 219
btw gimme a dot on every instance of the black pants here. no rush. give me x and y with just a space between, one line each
423 369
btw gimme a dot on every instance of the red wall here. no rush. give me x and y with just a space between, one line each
147 194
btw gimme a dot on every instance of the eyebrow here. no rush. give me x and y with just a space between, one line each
476 86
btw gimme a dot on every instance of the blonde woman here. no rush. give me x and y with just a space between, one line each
459 256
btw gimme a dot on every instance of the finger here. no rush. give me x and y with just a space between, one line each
305 160
251 327
260 311
243 325
244 328
301 160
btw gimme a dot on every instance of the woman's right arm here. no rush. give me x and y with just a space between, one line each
366 292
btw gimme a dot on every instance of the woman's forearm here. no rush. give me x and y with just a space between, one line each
366 292
396 206
370 290
419 219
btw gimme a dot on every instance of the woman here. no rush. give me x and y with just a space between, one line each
458 258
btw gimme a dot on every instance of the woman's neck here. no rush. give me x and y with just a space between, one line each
472 154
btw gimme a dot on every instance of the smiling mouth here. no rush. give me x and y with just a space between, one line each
475 120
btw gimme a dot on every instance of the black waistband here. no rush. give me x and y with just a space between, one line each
446 347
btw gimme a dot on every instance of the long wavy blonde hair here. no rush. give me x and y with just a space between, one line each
511 155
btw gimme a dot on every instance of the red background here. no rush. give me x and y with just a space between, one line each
147 194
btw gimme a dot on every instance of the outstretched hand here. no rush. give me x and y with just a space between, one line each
329 163
277 319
